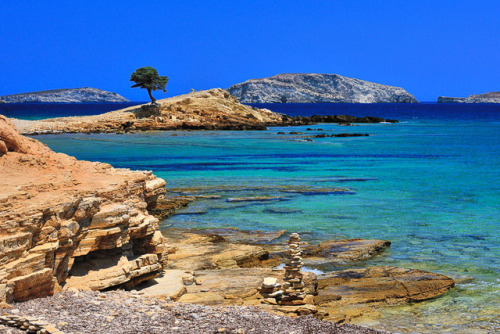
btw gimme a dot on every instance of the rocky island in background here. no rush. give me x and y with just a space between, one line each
70 95
317 88
491 97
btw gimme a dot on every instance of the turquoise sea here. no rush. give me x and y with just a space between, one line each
430 184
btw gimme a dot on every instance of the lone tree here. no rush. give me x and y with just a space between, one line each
148 78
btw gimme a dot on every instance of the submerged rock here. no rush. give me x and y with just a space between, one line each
236 235
255 199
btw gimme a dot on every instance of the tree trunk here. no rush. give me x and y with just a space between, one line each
153 100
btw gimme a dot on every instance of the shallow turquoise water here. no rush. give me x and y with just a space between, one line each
431 186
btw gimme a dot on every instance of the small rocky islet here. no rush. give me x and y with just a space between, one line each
491 97
75 226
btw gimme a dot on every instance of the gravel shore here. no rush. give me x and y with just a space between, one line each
125 312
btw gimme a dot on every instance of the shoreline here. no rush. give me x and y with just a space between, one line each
214 109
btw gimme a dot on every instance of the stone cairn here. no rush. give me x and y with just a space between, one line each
293 286
292 291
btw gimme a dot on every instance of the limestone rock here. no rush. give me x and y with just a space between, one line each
103 273
317 88
235 235
73 95
236 286
168 285
380 285
195 252
344 251
71 214
3 148
210 109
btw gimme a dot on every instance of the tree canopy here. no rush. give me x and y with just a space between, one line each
148 78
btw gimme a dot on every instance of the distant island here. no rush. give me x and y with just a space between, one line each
491 97
70 95
317 88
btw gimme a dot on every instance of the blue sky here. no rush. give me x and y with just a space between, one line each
430 48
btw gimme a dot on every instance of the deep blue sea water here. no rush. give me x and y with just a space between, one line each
430 184
34 111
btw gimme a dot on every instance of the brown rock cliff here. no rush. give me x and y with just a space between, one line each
65 222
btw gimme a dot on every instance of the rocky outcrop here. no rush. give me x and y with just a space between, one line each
343 251
317 88
379 285
492 97
211 251
65 222
71 95
212 109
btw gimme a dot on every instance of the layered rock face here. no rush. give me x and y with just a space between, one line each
72 95
492 97
212 109
317 88
65 222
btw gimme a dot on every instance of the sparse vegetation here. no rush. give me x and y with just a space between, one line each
148 78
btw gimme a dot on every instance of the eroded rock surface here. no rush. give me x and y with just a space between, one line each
197 252
58 214
235 286
344 251
380 285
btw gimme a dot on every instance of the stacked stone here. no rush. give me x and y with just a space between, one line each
293 286
270 288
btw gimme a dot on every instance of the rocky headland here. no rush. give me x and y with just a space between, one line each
317 88
213 109
70 95
65 222
491 97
